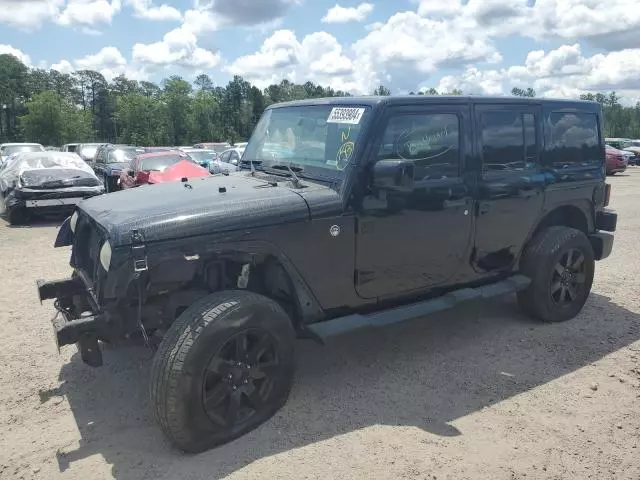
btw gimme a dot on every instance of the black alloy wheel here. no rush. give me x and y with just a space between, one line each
569 277
240 378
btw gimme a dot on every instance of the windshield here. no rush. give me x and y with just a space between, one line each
159 164
122 155
89 150
321 136
202 155
10 149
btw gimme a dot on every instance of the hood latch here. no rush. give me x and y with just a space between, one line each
138 252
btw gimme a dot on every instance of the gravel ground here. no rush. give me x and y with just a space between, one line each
479 392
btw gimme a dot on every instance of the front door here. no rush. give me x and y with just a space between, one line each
511 185
408 242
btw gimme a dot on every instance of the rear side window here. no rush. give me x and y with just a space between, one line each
573 139
508 141
431 141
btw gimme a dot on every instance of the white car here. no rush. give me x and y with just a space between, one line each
232 155
7 149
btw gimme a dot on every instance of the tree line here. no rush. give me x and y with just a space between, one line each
54 108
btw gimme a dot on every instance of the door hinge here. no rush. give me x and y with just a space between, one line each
138 252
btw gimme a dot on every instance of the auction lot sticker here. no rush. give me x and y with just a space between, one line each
345 115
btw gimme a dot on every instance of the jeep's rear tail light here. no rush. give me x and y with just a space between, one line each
607 194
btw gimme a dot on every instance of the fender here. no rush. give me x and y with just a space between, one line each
65 235
209 250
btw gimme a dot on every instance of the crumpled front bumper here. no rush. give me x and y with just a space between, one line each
70 326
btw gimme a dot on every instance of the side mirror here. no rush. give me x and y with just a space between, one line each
393 175
131 173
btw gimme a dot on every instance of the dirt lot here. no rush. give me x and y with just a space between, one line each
481 392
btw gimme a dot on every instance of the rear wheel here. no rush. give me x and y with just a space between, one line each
224 367
560 263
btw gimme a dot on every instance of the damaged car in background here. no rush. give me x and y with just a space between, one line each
44 182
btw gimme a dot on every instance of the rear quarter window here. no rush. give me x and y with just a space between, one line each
573 139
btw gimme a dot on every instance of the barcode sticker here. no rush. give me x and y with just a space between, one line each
345 115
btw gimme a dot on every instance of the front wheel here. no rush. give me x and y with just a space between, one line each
560 263
224 367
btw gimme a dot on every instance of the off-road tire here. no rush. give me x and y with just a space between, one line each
539 262
179 366
17 215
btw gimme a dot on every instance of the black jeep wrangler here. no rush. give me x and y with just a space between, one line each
349 213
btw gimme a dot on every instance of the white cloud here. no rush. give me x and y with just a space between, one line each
178 47
318 57
608 24
89 12
28 15
339 14
563 72
63 66
408 47
147 10
108 61
8 49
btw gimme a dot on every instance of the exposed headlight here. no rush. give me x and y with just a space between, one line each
73 221
105 255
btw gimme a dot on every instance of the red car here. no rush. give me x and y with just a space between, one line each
160 167
616 160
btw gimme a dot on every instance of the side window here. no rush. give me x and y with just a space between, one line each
100 156
234 156
225 157
573 139
508 141
431 141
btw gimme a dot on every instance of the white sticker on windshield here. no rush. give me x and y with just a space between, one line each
345 115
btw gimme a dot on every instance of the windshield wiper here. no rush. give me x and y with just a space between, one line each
294 178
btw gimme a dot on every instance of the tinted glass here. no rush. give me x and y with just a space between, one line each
573 138
508 141
430 140
161 163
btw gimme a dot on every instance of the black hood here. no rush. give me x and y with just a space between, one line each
198 207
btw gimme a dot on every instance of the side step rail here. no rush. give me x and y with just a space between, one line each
338 326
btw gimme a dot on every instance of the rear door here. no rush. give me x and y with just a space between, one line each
511 184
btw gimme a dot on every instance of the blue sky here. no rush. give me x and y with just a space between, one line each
558 47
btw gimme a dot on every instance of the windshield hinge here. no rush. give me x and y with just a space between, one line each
138 252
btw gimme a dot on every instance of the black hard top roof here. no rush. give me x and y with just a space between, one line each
373 101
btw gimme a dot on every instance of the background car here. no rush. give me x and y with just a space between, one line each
217 147
44 182
160 167
7 149
70 147
635 149
232 155
87 151
201 156
616 161
110 160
